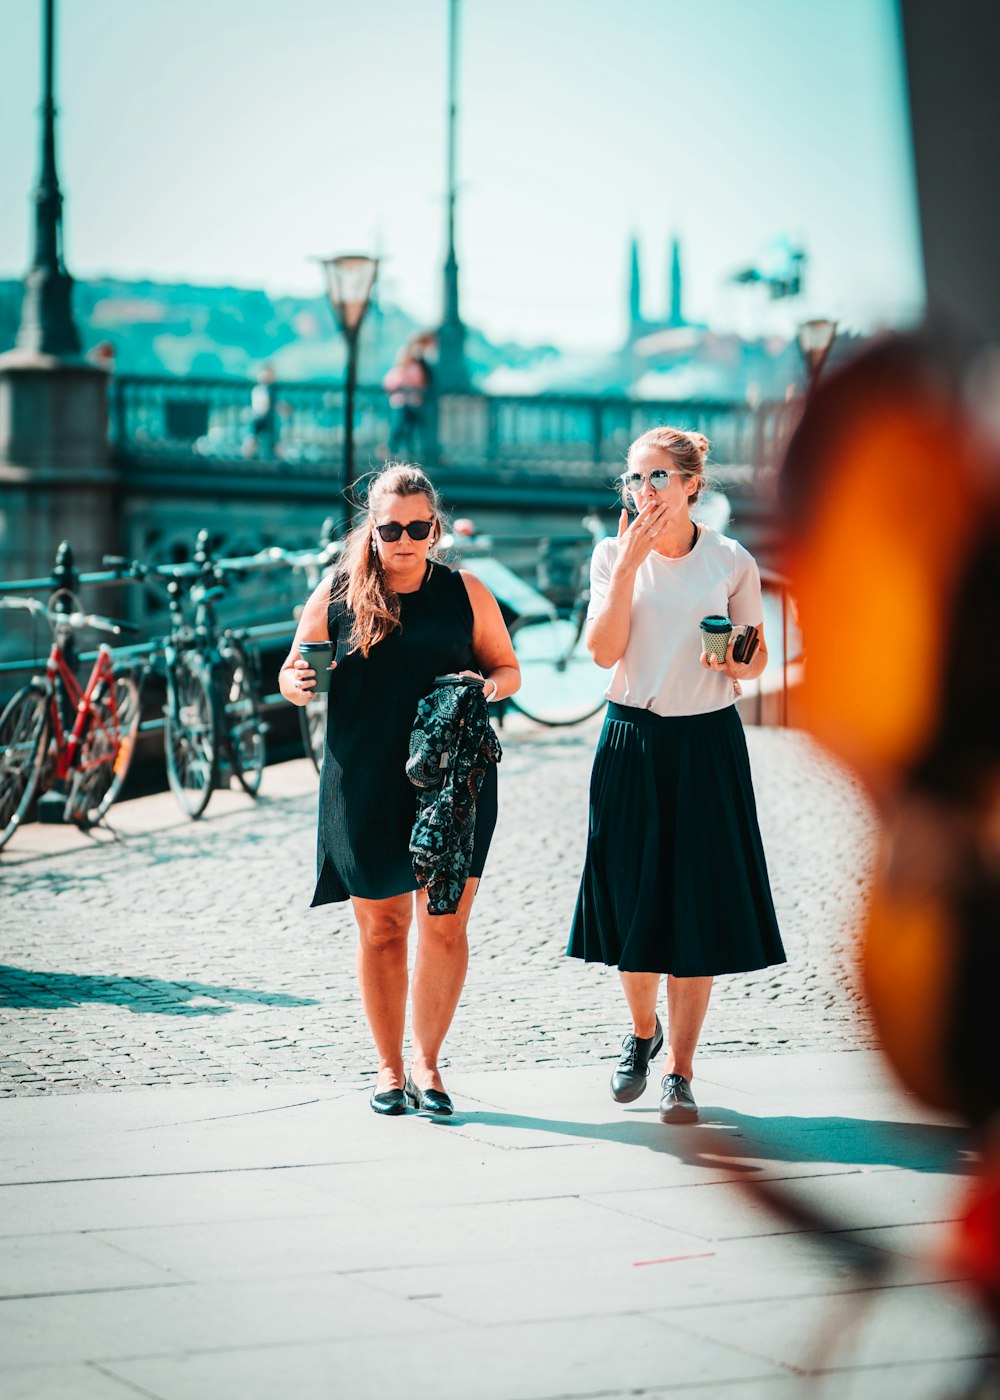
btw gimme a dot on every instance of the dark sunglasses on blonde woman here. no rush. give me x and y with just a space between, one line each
417 530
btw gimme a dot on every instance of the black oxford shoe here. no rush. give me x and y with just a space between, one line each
392 1101
677 1103
631 1072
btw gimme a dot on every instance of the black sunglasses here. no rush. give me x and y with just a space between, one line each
417 530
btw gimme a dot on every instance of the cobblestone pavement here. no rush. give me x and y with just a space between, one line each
172 952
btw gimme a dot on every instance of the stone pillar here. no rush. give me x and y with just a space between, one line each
56 478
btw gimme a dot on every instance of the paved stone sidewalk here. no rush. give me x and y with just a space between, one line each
175 952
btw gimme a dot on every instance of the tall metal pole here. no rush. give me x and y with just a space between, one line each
350 383
47 325
453 372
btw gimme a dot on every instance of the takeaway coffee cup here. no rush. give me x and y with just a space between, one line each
319 655
715 635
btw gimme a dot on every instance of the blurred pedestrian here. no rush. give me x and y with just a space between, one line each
398 618
103 356
674 882
407 385
263 439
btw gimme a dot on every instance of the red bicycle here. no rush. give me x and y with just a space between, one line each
54 731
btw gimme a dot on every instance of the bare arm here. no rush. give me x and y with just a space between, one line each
491 643
297 679
608 630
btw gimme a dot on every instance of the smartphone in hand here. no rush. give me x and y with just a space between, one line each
745 645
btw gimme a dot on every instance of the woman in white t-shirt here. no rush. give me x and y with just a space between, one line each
675 882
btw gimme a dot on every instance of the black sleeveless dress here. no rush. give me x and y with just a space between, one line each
366 802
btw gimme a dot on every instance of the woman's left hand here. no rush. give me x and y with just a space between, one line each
490 687
737 670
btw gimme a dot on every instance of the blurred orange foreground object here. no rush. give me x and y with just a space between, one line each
891 490
883 513
975 1246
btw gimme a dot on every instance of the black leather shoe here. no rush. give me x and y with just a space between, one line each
429 1100
677 1103
630 1074
392 1101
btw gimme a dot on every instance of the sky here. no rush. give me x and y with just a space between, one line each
226 142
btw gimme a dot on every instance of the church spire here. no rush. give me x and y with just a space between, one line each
675 315
634 290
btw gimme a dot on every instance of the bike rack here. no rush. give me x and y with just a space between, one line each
65 575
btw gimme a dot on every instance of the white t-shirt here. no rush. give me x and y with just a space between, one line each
661 669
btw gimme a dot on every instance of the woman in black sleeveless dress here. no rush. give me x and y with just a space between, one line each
398 618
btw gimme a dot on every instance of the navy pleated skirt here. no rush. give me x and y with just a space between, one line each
675 879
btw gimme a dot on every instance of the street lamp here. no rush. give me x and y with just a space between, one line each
815 340
47 326
350 280
452 370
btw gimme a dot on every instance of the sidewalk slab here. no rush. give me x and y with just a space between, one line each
584 1358
545 1242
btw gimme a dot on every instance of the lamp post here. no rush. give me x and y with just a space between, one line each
815 341
350 280
452 370
47 326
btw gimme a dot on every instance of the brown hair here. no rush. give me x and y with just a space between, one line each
362 584
687 452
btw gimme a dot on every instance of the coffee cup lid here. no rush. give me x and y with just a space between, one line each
315 646
716 624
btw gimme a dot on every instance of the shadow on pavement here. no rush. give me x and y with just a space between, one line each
23 987
725 1140
873 1142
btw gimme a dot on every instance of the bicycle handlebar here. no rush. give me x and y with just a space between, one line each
125 568
115 626
73 619
277 556
160 573
274 557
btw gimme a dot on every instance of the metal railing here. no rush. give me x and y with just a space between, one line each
772 582
196 421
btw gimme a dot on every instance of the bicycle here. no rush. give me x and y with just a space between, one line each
314 563
55 731
212 709
560 683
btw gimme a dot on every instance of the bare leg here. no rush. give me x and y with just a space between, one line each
687 1003
438 978
641 990
383 926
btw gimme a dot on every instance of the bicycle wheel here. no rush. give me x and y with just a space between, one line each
241 725
312 723
190 740
560 683
24 731
105 753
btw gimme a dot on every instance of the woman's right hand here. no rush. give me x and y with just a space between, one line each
297 681
637 538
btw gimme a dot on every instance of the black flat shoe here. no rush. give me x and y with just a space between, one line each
677 1103
392 1101
429 1100
630 1074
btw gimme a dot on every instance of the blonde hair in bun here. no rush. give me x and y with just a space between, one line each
700 441
687 450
